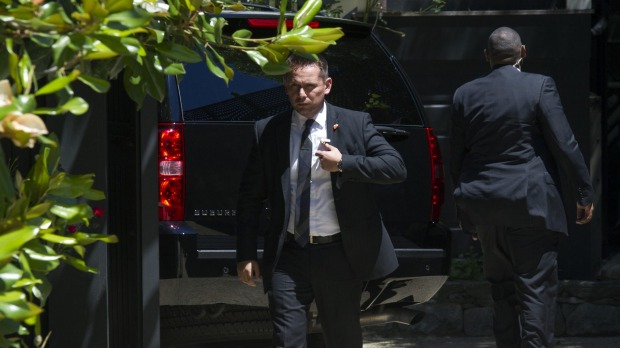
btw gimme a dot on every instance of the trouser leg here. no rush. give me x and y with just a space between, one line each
498 271
337 294
536 278
521 265
290 297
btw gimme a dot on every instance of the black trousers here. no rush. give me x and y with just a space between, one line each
319 273
521 265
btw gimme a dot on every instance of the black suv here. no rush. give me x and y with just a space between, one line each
205 135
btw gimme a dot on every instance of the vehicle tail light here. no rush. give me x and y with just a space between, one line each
171 172
273 23
437 175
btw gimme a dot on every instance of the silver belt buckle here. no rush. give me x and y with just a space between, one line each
312 240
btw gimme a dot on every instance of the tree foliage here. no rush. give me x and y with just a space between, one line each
46 48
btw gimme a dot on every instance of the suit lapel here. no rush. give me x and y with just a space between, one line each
282 148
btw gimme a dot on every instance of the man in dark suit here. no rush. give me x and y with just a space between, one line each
509 140
325 234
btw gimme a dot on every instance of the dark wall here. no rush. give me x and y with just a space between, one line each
441 52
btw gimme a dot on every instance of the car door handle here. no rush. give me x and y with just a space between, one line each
393 134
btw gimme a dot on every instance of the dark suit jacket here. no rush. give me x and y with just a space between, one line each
509 139
367 159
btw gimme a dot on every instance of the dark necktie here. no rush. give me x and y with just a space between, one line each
304 164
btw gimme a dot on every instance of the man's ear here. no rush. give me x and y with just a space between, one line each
486 56
523 51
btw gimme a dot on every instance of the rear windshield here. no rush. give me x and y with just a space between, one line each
363 79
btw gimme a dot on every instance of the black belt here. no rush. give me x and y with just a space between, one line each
316 239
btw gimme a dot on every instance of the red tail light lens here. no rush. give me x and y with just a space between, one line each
437 175
273 23
171 172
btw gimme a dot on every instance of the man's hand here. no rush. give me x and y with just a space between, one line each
248 271
329 158
584 213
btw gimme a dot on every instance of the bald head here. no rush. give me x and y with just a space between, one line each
504 47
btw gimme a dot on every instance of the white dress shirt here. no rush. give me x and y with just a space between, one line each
323 218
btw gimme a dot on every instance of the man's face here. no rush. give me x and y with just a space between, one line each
306 90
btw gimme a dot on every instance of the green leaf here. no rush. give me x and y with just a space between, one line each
96 84
241 34
114 6
54 238
72 213
174 69
76 106
42 290
136 92
257 58
13 305
218 24
94 195
9 275
133 18
42 258
113 42
154 81
11 242
309 9
275 68
302 44
78 264
54 8
178 52
87 239
227 70
274 54
58 83
25 103
215 70
326 34
39 176
72 186
25 70
37 210
100 51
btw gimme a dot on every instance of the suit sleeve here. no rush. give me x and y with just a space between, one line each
252 197
381 163
562 143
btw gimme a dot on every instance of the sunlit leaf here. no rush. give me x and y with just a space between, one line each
12 241
13 305
58 83
76 106
86 239
9 275
135 17
305 14
54 238
72 213
79 264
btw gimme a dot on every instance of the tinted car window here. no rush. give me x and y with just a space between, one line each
364 79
